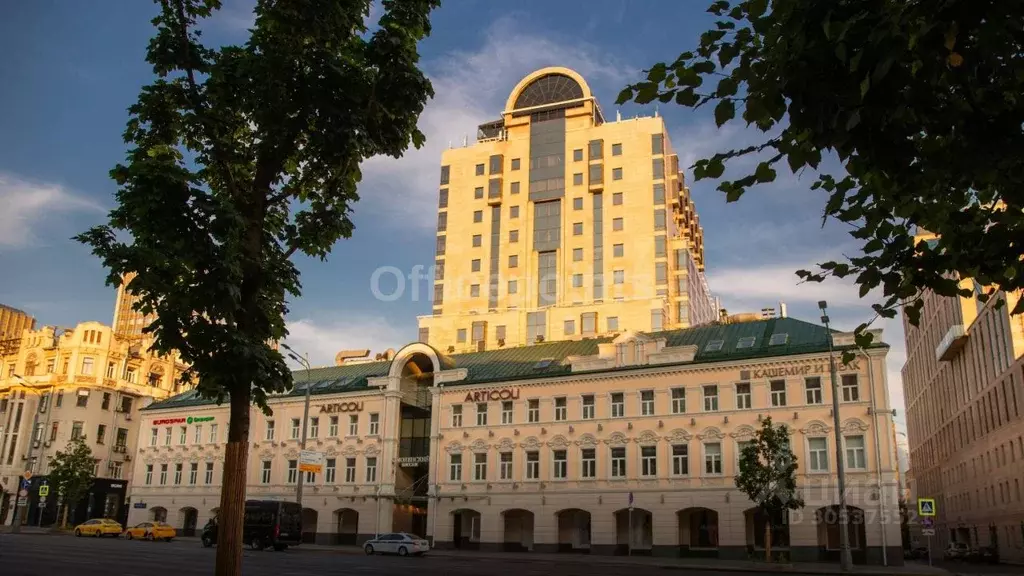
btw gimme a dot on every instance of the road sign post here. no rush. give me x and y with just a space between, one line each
927 510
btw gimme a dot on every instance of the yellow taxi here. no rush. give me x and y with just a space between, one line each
99 527
151 531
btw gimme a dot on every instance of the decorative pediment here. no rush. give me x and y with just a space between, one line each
647 437
678 436
531 443
331 451
558 441
371 450
587 441
816 428
743 433
617 439
479 445
854 425
454 448
506 444
711 433
349 450
267 455
291 454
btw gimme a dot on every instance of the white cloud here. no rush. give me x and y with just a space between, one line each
322 338
28 204
470 88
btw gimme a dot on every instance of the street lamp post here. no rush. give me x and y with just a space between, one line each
304 361
16 518
845 560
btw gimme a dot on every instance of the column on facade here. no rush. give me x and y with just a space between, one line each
392 411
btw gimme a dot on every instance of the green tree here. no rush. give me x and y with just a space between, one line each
71 474
920 100
240 157
768 477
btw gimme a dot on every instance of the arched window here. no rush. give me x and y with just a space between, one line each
549 89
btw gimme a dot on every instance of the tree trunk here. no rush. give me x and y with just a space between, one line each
232 495
768 537
64 517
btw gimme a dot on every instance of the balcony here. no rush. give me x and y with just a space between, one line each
951 343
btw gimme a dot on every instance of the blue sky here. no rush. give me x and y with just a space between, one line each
74 67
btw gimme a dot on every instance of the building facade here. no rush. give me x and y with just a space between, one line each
559 224
128 322
82 382
617 444
964 387
12 323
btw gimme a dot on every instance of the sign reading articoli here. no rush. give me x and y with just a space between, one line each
341 407
492 395
795 370
189 420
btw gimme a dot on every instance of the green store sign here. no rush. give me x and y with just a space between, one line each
198 420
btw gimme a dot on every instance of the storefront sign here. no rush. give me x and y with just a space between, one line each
341 407
198 419
804 370
493 395
412 461
139 505
169 421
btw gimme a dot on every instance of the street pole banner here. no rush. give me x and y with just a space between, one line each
311 461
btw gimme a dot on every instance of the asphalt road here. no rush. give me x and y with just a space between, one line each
32 555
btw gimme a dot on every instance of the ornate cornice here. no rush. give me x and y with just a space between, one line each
587 441
558 442
454 447
617 439
711 433
479 445
530 443
678 436
854 425
647 437
743 432
816 428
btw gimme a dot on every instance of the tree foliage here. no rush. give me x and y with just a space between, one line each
919 99
768 474
71 472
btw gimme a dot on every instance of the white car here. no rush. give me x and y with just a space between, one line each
401 543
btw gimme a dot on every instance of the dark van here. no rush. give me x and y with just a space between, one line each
268 524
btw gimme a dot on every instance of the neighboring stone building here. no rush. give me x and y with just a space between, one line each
559 223
13 323
547 447
81 382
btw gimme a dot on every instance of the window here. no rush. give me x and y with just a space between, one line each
851 392
855 456
817 454
647 403
442 221
197 437
577 229
713 458
587 407
193 473
293 471
618 250
350 470
618 402
577 155
813 388
182 434
588 463
442 198
295 428
481 414
163 474
153 435
167 435
513 287
506 412
460 334
101 432
457 416
617 224
533 410
270 430
711 398
616 173
87 366
265 472
613 323
513 261
657 144
480 467
533 465
560 409
314 427
619 276
479 169
149 474
577 179
353 425
617 199
588 323
178 468
649 461
56 425
332 426
618 462
743 396
577 203
474 290
82 400
60 398
475 265
577 254
515 163
105 404
330 470
560 464
441 243
778 388
213 433
374 424
680 460
476 240
371 470
577 282
678 400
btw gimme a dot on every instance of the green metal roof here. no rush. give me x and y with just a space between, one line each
547 359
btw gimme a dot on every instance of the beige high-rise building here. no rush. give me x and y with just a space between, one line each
964 387
128 322
13 323
558 224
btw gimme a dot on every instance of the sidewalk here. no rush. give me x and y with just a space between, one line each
660 563
35 531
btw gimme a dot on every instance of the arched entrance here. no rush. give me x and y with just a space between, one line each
187 519
698 532
518 530
756 521
309 520
574 531
828 521
158 514
414 367
346 531
466 529
634 532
